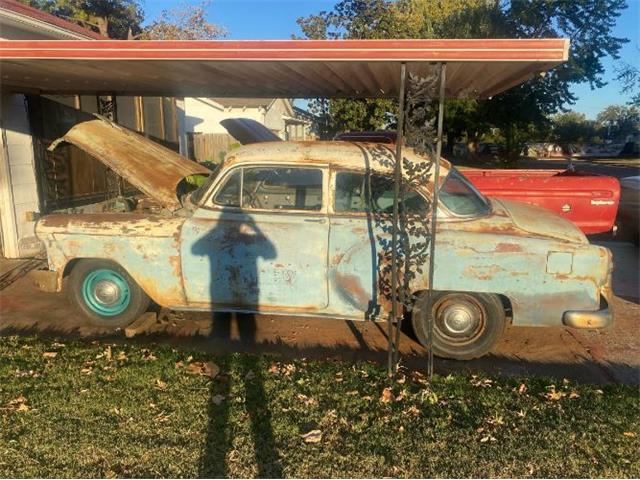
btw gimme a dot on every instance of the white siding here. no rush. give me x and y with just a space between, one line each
19 189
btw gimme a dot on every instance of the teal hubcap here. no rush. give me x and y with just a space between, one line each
106 292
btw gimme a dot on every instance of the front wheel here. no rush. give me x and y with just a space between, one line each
466 325
105 293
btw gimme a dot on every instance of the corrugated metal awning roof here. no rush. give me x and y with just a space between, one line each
278 68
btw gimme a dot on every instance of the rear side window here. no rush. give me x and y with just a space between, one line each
268 188
359 192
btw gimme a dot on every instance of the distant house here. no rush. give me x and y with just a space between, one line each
35 181
210 141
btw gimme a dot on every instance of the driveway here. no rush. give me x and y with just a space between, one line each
587 356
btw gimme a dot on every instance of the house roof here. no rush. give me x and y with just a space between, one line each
272 68
31 18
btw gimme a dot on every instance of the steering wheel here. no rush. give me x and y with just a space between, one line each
254 199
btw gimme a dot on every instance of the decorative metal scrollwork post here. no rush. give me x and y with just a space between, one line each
413 237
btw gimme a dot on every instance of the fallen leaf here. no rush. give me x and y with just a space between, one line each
23 407
630 434
107 353
289 369
50 354
599 392
217 399
314 436
87 370
121 356
522 388
274 368
110 474
352 392
161 417
304 399
208 369
57 345
553 394
481 382
574 395
211 370
160 385
401 429
148 355
179 364
413 410
387 395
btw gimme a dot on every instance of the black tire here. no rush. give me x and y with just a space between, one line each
479 316
137 304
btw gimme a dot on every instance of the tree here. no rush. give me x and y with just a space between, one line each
573 127
184 22
619 121
587 22
118 19
629 77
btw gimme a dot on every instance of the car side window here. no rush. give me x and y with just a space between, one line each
359 193
229 194
282 188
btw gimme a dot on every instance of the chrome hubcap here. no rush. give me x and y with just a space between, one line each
458 319
106 292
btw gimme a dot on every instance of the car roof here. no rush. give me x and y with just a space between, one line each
361 156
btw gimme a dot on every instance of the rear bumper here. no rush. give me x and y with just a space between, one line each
602 318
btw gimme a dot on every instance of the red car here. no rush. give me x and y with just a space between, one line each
589 201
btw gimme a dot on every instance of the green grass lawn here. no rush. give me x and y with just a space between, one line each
93 410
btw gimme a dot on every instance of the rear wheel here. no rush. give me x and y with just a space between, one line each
466 325
105 293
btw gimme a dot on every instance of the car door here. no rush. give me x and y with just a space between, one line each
360 242
259 243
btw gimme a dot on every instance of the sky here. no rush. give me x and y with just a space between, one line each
276 19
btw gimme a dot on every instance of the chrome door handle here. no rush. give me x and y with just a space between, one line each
315 220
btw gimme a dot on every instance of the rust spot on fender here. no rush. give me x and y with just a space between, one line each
508 248
351 288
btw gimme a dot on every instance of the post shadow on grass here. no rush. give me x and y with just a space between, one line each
233 248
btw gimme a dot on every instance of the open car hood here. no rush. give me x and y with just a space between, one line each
247 131
153 169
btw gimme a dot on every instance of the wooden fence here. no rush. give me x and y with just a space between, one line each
210 147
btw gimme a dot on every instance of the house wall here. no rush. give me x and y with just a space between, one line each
18 186
275 117
204 116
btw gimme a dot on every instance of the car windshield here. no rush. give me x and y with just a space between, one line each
461 197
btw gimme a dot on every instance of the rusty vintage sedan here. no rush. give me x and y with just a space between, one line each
301 228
